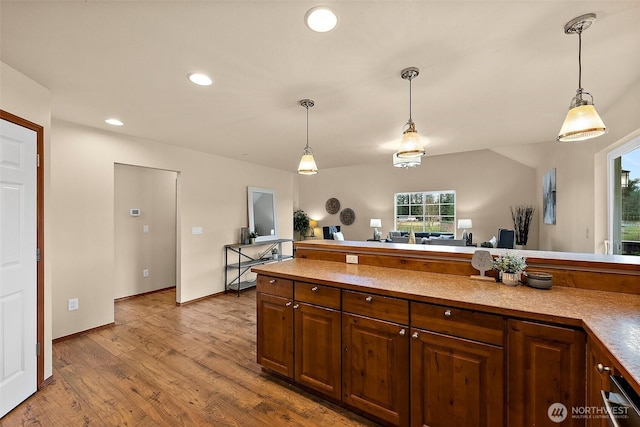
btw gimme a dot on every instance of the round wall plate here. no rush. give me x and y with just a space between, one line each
332 206
347 216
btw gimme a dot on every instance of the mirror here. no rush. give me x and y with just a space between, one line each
262 213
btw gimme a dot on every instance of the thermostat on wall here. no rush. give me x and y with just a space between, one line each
134 212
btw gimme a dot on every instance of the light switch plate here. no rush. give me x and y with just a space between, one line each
196 230
352 259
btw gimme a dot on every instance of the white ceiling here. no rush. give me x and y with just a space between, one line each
492 73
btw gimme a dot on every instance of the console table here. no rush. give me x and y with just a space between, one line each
246 261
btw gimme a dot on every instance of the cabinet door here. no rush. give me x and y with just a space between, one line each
275 333
599 367
317 344
455 382
546 367
375 361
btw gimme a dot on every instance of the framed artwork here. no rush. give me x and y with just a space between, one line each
549 196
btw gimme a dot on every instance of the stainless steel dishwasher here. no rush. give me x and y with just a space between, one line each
622 404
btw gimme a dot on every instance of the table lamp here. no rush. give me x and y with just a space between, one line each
375 223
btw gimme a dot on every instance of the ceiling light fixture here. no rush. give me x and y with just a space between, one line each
200 79
409 162
321 19
307 162
114 122
410 146
582 121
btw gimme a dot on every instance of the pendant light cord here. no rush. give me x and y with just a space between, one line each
410 120
580 59
307 127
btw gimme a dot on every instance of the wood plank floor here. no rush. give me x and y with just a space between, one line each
162 365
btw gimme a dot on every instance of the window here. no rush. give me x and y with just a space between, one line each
425 211
624 199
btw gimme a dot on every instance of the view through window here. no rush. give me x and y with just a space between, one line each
630 203
433 211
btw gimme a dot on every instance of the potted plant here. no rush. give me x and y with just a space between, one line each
510 266
300 222
252 237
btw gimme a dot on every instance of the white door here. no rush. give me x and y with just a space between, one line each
18 275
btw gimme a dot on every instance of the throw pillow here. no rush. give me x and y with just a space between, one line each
338 235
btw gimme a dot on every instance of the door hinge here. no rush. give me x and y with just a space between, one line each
37 349
37 254
38 160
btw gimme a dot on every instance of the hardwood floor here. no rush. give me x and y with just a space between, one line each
162 365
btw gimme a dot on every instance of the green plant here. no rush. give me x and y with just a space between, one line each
300 222
510 263
253 235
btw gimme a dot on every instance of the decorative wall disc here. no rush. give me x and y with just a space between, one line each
332 206
347 216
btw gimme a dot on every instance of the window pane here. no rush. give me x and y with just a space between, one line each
433 210
447 198
416 210
449 210
403 210
402 199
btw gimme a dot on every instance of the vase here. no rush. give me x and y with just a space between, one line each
252 240
510 279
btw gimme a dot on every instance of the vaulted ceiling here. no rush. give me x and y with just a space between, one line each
492 73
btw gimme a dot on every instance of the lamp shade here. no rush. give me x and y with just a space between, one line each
375 222
582 122
307 163
410 146
464 224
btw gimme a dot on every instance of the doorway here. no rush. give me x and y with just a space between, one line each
145 230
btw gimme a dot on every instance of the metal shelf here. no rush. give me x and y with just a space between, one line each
245 262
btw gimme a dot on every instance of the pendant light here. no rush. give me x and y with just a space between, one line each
307 162
410 146
406 163
582 121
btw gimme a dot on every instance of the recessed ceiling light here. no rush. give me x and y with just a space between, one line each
114 122
200 79
321 19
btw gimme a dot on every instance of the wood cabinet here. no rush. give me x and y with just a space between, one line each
375 361
298 339
456 381
318 359
546 365
599 367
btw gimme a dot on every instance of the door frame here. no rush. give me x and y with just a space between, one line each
39 130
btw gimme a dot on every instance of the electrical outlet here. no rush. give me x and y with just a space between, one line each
352 259
72 304
145 273
145 228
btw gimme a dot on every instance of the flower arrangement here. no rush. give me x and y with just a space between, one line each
510 263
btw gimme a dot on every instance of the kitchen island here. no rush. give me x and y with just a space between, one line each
505 343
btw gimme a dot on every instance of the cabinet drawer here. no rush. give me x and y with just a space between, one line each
473 325
376 306
323 296
275 286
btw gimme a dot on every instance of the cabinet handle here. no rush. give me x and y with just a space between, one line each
414 335
402 332
447 313
288 304
368 299
601 368
296 306
314 289
272 281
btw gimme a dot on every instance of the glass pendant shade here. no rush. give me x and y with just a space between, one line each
410 146
307 163
582 122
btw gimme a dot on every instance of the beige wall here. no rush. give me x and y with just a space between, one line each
153 191
487 184
29 100
212 194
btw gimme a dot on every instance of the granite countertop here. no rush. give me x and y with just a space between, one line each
612 318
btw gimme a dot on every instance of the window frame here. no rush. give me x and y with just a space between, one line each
425 208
